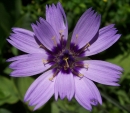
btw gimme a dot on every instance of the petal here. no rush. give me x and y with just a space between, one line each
28 56
82 93
23 32
107 37
24 40
64 86
86 28
104 66
40 91
102 72
45 34
56 17
30 66
93 89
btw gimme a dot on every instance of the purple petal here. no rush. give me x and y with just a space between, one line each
94 90
107 28
30 66
47 95
45 34
23 32
24 40
56 17
102 72
40 91
107 37
104 66
28 56
64 86
83 94
31 60
86 28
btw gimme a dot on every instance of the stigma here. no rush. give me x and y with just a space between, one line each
66 61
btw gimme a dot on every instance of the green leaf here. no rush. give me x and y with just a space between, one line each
122 60
4 24
8 92
4 111
54 108
24 21
114 102
22 85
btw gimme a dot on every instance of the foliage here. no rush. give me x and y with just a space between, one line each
21 13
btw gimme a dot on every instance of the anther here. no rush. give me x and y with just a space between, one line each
86 66
54 40
67 64
80 75
56 72
43 47
44 61
87 45
76 39
61 31
77 73
40 45
51 78
83 48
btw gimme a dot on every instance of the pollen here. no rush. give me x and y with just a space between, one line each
87 45
53 76
51 79
80 75
54 40
86 66
44 61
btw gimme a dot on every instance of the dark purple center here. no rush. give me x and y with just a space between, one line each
65 58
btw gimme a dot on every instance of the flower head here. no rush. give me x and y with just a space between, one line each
65 74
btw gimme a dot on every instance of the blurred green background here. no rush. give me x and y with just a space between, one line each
21 13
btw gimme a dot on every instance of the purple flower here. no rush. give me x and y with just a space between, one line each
65 75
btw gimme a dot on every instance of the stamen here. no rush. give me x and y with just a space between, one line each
53 76
61 31
86 66
77 73
44 61
87 45
67 64
41 46
80 75
76 39
54 40
83 48
61 36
